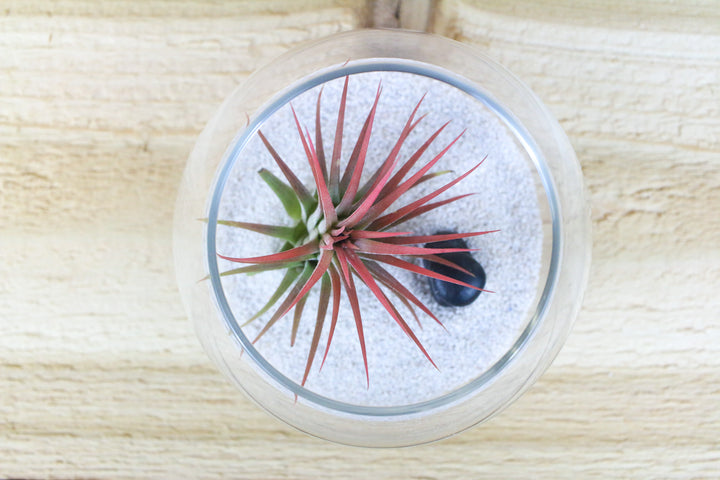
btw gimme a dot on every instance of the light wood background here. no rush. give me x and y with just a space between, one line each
100 373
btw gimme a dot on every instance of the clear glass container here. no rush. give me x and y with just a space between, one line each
565 256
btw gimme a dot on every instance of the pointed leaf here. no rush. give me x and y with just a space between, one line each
319 140
283 308
408 209
288 279
382 248
390 160
397 262
262 267
286 194
366 203
407 166
353 171
395 218
320 320
323 263
297 186
430 176
397 293
444 261
365 275
334 182
355 304
415 239
299 307
388 165
355 234
392 283
297 253
286 233
323 194
336 291
391 197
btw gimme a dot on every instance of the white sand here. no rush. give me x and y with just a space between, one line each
479 334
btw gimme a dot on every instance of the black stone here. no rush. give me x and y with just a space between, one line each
450 294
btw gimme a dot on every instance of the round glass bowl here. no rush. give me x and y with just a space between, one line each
220 180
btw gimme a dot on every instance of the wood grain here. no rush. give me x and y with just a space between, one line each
100 374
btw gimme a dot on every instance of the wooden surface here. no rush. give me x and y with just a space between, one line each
100 373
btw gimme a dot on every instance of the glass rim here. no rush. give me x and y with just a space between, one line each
404 66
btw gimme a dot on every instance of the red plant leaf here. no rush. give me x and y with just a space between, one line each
433 238
336 290
296 319
319 322
354 303
397 178
318 139
393 283
395 218
355 234
380 248
410 208
366 205
297 253
337 148
322 265
444 261
390 161
365 275
404 300
323 193
353 171
396 262
390 198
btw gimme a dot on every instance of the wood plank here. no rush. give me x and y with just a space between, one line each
100 374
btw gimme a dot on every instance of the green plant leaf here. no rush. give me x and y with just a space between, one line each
396 218
290 276
261 267
285 233
321 267
284 306
284 192
302 193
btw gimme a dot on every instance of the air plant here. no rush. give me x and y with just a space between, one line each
342 230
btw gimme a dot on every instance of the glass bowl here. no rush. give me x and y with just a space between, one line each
556 183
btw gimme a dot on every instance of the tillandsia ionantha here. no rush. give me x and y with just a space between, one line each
342 230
